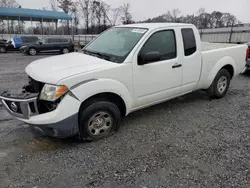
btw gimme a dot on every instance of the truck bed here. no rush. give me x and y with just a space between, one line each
206 46
214 54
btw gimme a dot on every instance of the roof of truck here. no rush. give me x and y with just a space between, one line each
155 25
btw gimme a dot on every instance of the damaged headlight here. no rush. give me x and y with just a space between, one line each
52 92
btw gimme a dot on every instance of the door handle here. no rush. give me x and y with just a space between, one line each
176 66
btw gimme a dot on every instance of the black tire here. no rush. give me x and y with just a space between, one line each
3 50
214 90
33 51
89 111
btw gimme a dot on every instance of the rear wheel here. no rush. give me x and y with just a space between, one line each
2 50
220 85
32 51
98 120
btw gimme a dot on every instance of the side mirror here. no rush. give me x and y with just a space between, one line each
149 57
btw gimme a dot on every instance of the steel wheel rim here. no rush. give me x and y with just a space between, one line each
100 124
222 84
33 52
65 51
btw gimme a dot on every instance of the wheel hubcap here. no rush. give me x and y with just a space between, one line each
65 51
100 124
33 52
222 84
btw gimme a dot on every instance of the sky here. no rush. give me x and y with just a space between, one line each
143 9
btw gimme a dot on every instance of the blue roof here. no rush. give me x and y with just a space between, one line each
33 13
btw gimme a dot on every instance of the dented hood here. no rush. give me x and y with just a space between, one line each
53 69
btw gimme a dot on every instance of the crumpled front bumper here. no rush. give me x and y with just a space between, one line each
21 106
61 122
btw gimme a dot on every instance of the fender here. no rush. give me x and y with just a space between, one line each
87 89
218 66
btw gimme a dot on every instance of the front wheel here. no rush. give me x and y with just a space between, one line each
3 50
220 85
98 120
32 51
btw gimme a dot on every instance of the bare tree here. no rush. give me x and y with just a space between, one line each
97 13
53 5
8 4
217 19
175 14
229 20
201 19
105 8
66 6
76 17
114 15
86 11
172 16
126 17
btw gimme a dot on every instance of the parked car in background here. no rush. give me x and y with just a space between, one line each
23 40
16 42
6 46
61 45
3 40
87 93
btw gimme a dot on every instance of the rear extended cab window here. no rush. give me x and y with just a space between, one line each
189 41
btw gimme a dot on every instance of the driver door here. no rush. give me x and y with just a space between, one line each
160 79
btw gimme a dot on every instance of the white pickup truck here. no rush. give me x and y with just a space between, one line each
126 68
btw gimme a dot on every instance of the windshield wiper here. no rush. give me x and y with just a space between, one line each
100 55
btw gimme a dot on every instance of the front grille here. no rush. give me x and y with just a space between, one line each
21 108
18 107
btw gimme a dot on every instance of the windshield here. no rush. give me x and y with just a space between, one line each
116 43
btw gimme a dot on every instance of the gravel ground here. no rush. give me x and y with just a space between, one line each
187 142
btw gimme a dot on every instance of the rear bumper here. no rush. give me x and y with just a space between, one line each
60 123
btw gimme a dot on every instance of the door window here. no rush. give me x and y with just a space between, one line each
163 42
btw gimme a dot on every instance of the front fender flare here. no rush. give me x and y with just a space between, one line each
96 86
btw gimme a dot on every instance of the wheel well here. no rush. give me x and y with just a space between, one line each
230 69
112 97
32 48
